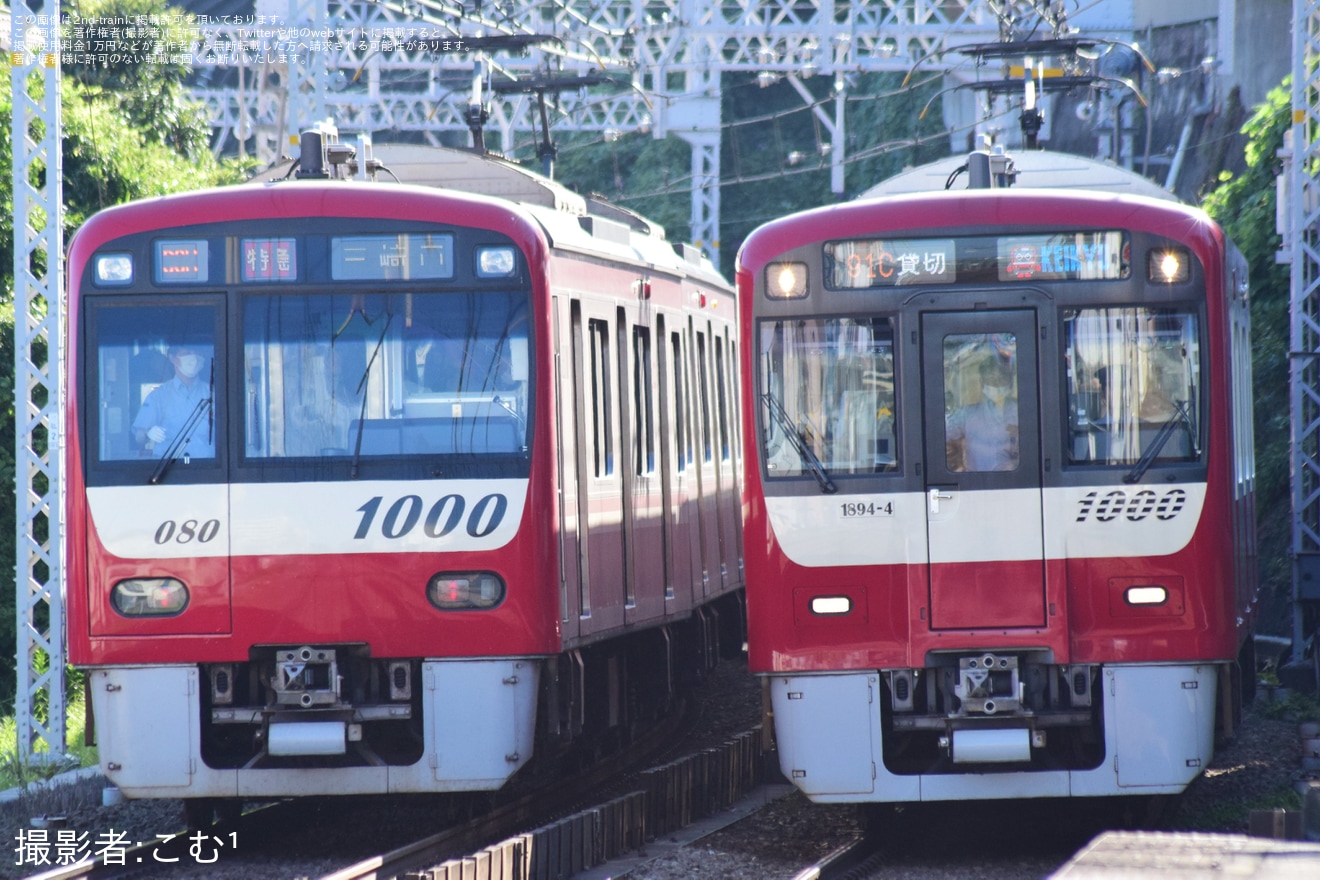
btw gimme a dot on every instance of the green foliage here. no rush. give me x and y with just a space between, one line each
1295 707
636 171
774 158
1236 812
1245 206
17 773
145 96
107 163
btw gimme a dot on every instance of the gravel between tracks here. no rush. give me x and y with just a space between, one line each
776 842
791 833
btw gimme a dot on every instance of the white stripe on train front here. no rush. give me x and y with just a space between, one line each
286 519
1079 522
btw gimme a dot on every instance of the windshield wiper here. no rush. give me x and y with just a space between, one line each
517 417
800 444
1166 431
362 389
180 441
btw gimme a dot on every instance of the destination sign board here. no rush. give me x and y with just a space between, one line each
871 263
403 257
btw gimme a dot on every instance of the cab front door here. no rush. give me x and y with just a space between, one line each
981 407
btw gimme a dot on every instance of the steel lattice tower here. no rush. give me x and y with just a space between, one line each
38 401
1301 246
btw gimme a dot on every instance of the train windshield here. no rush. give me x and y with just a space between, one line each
1133 385
828 397
361 375
155 378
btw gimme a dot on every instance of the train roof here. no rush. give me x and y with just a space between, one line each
1036 169
574 221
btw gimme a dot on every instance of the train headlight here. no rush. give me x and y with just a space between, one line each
1147 594
786 280
465 591
114 270
1169 266
495 262
831 605
150 597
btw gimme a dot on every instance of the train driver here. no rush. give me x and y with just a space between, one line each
179 409
983 436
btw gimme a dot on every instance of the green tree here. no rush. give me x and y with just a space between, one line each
634 170
774 157
139 73
1244 205
130 131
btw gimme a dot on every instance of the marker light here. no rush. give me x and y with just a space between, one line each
465 591
786 280
1150 594
1171 266
831 605
149 597
114 270
495 262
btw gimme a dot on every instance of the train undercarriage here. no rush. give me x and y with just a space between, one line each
991 708
998 724
332 719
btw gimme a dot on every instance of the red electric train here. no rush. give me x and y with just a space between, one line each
383 487
999 485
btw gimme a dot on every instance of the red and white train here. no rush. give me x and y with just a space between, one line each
999 485
382 487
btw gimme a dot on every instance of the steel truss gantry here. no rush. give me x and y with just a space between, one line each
670 55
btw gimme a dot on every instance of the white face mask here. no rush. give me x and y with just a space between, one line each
996 394
190 365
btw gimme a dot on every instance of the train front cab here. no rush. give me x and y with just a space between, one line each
351 575
937 623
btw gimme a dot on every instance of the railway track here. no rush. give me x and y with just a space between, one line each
573 824
853 860
666 797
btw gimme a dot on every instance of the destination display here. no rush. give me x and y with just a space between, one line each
182 261
864 264
269 259
1072 256
892 263
391 257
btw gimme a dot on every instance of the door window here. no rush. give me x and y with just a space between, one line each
981 402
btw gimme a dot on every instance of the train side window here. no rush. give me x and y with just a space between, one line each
155 376
703 409
734 426
600 389
827 396
1133 385
721 400
682 428
643 412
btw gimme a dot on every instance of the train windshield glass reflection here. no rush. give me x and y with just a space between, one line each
828 393
385 374
1133 385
